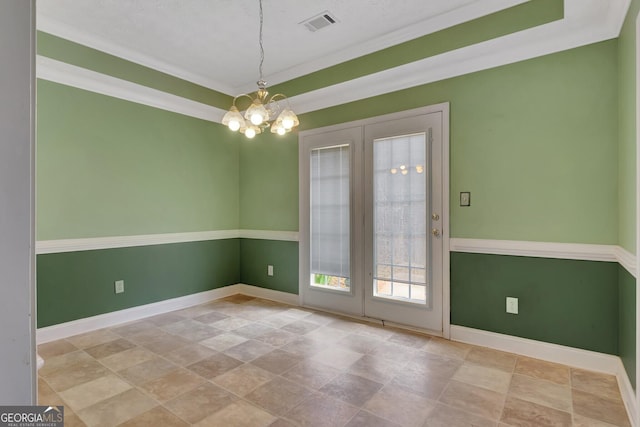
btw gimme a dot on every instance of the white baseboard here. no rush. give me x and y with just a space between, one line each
269 294
578 358
88 324
628 394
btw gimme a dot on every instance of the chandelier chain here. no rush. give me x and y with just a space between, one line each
260 41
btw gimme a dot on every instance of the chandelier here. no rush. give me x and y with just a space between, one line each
263 111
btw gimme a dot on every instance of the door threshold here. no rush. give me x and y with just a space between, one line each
379 322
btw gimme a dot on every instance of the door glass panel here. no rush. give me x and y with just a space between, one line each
330 218
399 216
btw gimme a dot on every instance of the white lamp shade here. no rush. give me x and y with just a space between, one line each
288 119
257 113
233 119
278 128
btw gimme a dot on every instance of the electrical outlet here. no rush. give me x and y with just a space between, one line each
512 305
269 270
119 286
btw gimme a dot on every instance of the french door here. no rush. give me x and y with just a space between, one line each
371 218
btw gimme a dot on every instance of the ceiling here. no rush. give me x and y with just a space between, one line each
215 42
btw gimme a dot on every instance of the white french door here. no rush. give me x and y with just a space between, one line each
371 218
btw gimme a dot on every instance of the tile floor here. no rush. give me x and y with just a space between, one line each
243 361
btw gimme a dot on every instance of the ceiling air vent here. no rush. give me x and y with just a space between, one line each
320 21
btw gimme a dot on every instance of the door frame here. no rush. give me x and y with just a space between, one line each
446 271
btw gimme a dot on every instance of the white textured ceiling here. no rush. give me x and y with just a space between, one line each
215 42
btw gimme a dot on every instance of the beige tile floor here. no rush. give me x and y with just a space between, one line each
243 361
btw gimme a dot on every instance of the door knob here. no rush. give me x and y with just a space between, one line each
435 232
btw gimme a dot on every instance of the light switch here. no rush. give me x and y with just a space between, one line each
512 305
465 198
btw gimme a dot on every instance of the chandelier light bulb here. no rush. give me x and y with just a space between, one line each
234 125
282 131
250 133
257 119
287 123
394 171
404 171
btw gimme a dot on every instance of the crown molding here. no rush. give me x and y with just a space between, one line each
51 26
71 75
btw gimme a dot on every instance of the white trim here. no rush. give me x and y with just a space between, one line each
94 243
626 259
446 224
269 294
579 251
578 358
575 357
637 222
71 75
88 324
628 394
291 236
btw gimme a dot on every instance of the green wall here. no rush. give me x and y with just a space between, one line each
269 183
627 130
75 285
526 139
627 192
627 322
567 302
109 167
257 254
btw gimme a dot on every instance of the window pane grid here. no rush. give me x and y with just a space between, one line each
399 208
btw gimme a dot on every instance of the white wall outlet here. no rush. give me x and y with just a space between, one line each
512 305
269 270
119 286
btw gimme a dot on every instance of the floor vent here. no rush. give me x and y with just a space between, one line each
320 21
